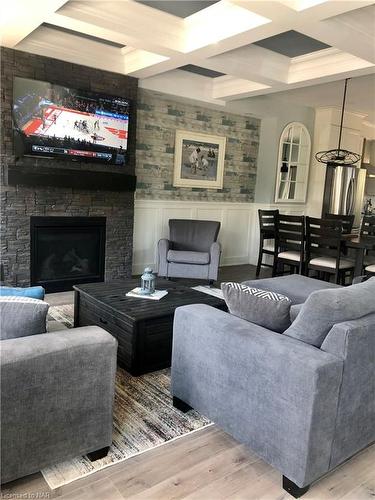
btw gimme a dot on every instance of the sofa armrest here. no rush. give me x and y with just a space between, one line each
352 339
215 252
57 389
274 393
354 343
163 247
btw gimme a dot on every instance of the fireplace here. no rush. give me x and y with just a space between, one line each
66 251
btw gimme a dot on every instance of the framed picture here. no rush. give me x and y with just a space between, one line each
199 160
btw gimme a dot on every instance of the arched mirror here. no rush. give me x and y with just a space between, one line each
293 164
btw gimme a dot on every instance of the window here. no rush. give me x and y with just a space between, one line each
293 164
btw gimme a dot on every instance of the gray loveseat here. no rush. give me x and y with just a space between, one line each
303 409
191 250
57 391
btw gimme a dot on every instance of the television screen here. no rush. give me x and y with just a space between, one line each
55 121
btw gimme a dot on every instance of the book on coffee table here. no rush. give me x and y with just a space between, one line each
157 295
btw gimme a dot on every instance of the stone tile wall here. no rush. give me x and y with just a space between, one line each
159 116
18 203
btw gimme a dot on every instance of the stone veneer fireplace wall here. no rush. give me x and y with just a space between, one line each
20 202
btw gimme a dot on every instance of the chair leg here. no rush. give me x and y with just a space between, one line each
337 277
98 454
275 266
181 405
302 269
293 489
260 256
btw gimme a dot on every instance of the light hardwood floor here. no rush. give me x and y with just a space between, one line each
205 465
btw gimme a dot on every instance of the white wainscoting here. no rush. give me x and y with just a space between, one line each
239 232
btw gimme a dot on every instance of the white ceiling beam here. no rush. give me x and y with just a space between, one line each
252 63
316 81
61 21
351 32
231 88
19 18
157 33
72 48
347 40
278 11
331 8
90 29
140 59
184 85
324 63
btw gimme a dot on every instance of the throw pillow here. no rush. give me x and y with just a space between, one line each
262 307
34 292
325 308
22 316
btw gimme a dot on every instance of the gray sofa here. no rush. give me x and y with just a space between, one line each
303 409
57 393
191 250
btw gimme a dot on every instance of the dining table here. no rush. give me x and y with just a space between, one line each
359 243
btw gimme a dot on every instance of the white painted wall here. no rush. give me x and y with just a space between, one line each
239 233
270 132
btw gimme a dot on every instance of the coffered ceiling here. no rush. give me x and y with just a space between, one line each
211 51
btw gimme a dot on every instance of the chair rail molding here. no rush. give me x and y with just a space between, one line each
239 232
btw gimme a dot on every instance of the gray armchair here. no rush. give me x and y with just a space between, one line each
57 393
191 251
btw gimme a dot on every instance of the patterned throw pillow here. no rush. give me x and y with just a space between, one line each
21 317
264 308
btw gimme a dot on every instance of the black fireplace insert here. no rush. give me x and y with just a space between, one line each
66 251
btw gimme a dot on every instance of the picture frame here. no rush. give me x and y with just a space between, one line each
199 160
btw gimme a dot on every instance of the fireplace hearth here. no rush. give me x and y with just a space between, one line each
66 251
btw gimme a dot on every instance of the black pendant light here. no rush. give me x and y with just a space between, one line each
339 157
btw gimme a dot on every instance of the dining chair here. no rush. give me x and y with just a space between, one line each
368 229
368 225
290 243
267 232
347 226
323 249
347 221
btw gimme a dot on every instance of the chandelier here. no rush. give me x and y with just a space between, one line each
339 157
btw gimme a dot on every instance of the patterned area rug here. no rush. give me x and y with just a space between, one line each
144 418
62 314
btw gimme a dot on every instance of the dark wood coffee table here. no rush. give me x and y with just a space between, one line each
142 327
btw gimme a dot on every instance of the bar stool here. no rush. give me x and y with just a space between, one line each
267 220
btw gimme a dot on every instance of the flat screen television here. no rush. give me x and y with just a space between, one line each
57 121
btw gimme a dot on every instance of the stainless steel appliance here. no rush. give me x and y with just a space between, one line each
344 191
